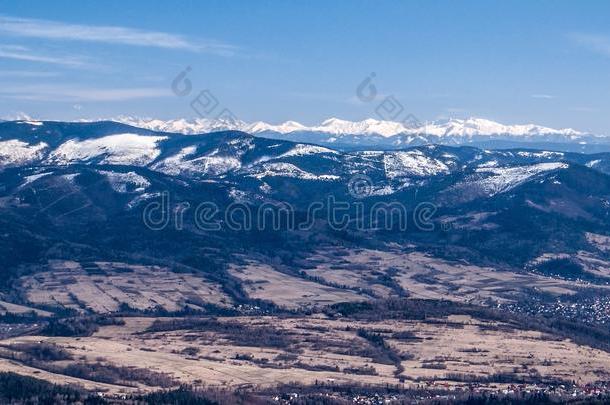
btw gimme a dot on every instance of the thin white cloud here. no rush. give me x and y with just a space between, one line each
593 42
53 30
22 53
68 93
27 73
542 96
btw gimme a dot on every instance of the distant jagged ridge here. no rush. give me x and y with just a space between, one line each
372 133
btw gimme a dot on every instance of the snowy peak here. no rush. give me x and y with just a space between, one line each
183 126
284 128
480 126
367 127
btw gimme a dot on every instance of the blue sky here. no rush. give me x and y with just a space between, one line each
546 62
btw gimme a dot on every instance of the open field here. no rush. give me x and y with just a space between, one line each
10 308
103 287
261 281
264 351
423 276
307 338
328 277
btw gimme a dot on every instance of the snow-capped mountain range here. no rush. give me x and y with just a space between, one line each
372 133
92 177
387 135
235 157
336 126
89 180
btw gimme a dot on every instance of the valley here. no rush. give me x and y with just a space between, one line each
138 262
304 203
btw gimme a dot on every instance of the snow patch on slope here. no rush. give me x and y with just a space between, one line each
70 178
412 163
213 164
177 164
503 179
289 170
298 150
123 149
129 182
542 154
33 178
141 198
30 122
15 152
304 149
